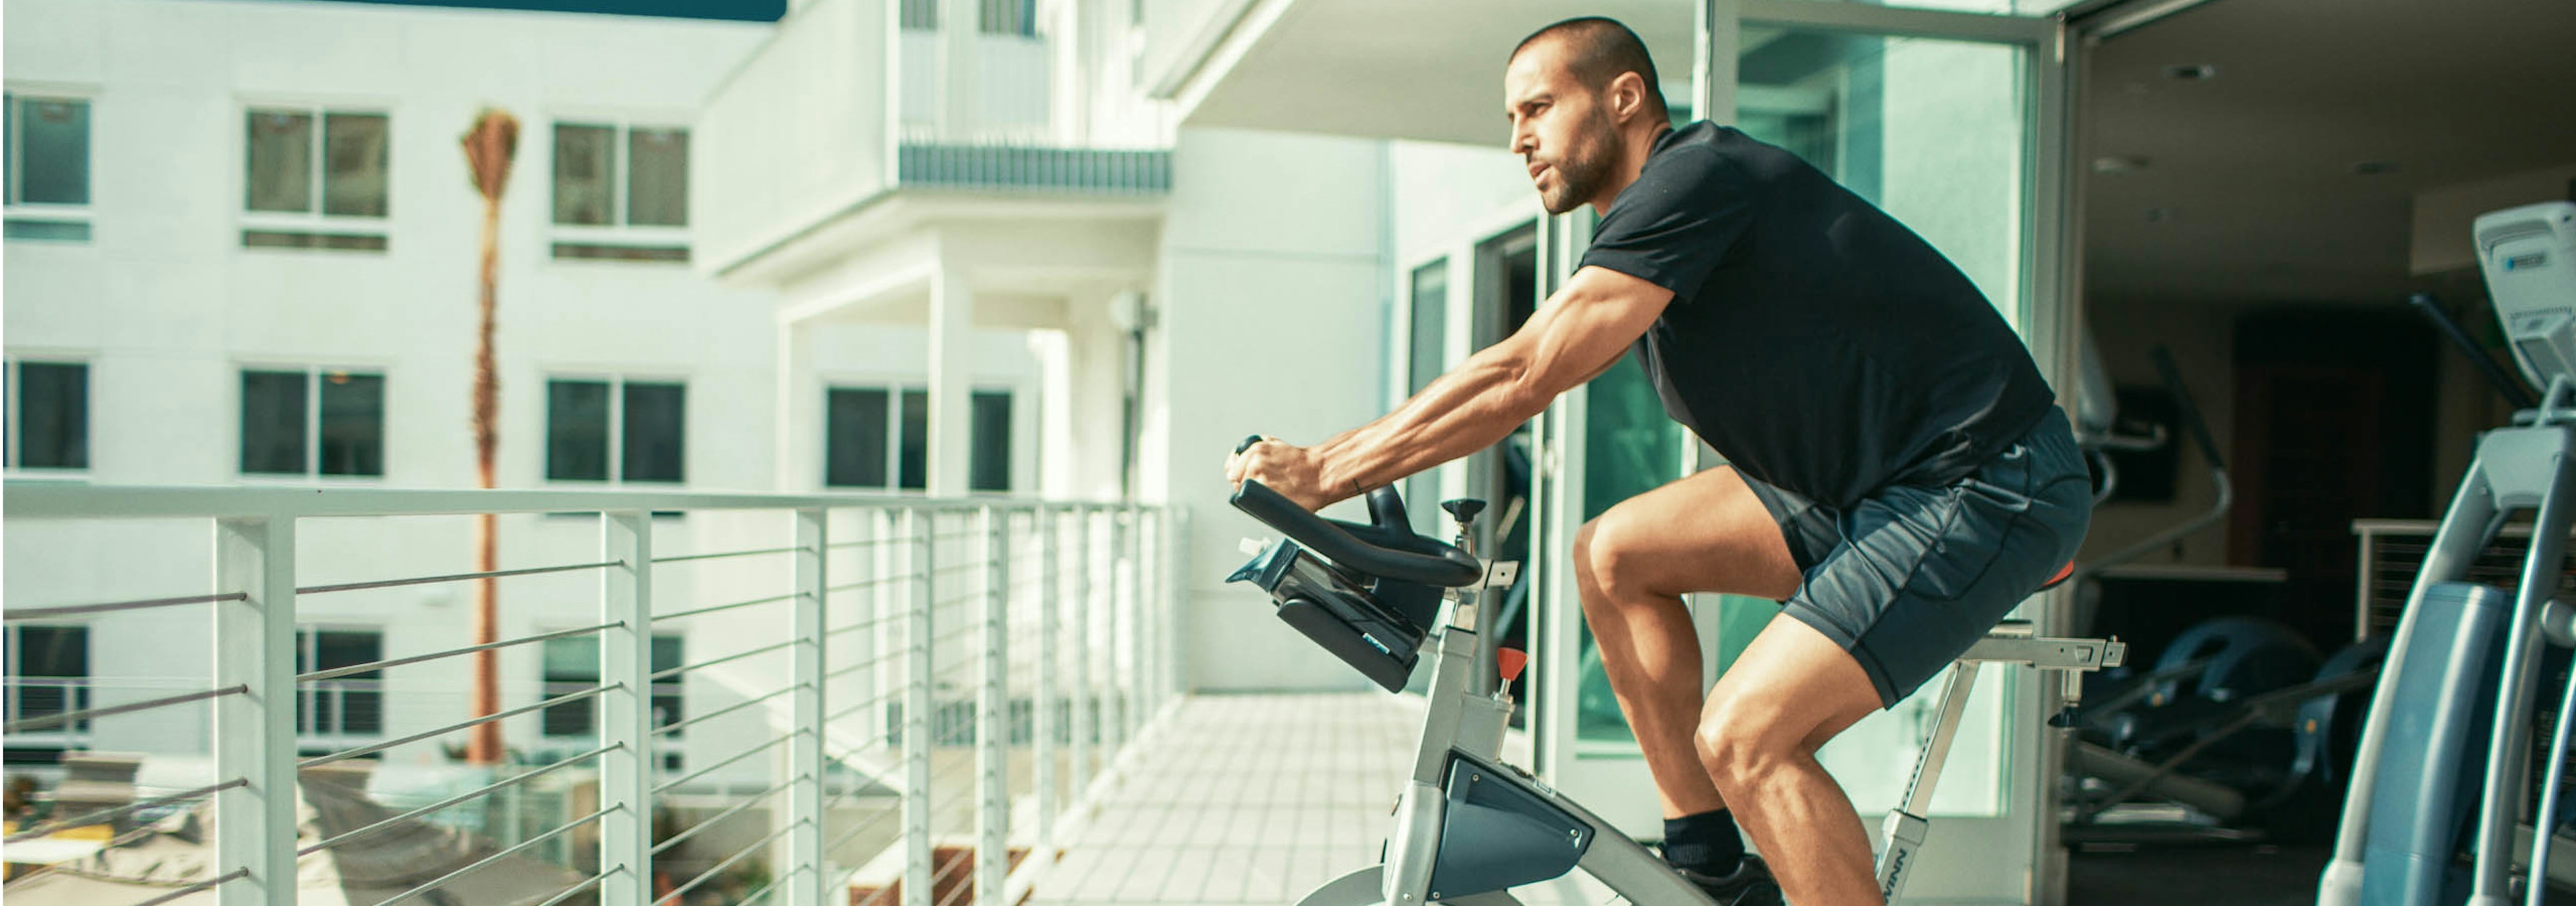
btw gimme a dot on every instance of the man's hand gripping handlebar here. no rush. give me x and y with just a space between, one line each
1386 548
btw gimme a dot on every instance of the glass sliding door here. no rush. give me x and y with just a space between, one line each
1949 121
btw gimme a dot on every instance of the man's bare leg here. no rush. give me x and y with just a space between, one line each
1791 691
1706 532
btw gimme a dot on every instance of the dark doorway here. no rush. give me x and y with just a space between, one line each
2334 422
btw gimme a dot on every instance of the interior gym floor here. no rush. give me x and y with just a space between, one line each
2100 875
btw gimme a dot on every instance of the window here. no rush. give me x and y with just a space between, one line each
48 674
572 665
921 15
994 17
865 431
282 435
315 179
351 705
621 192
988 466
48 154
1009 17
1427 355
639 427
48 415
855 451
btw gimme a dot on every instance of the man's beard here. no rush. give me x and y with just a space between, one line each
1583 170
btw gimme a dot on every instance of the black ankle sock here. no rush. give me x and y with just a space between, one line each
1706 842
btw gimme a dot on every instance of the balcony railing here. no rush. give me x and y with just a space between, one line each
915 693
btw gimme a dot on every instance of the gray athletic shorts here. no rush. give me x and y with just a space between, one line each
1911 576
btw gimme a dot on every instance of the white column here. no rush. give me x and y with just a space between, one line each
255 733
952 318
1058 467
799 427
959 99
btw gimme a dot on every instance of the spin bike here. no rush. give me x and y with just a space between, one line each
1469 827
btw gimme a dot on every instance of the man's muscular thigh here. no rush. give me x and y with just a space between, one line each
1704 533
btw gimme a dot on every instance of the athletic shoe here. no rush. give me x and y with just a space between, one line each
1749 884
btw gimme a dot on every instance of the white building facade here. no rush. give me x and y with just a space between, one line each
242 250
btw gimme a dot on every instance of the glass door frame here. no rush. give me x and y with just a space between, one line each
2050 322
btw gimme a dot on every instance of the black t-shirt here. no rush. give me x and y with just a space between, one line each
1815 342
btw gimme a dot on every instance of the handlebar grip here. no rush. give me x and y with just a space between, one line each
2190 411
1335 540
2512 389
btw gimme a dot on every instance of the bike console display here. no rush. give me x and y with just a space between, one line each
1373 591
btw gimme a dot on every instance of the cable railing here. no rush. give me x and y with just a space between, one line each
896 700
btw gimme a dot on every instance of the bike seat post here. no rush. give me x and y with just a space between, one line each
1483 677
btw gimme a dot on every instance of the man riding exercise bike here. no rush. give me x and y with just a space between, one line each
1899 476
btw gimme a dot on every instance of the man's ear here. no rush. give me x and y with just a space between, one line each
1627 96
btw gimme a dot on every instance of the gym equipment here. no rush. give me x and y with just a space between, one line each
2235 719
2457 686
1467 826
2240 720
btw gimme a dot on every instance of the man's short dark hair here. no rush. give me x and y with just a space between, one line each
1598 50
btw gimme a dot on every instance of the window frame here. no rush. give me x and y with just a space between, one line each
313 222
669 749
1021 393
68 735
313 377
617 233
12 183
11 380
616 381
307 645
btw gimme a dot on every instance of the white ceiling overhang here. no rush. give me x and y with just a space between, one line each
1426 70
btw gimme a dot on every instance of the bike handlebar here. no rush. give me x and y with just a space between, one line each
1389 549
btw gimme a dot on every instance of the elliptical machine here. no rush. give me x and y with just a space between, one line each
2456 690
1468 826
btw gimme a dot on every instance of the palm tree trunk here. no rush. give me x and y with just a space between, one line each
485 745
488 149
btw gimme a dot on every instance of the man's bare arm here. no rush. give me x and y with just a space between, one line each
1578 335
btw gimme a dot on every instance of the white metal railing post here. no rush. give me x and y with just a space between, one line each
1140 623
884 599
992 711
626 710
1149 584
1122 623
917 706
1176 585
1085 716
804 842
255 733
1042 720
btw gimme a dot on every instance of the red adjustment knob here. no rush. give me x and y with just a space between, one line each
1511 660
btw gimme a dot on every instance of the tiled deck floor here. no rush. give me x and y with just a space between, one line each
1253 799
